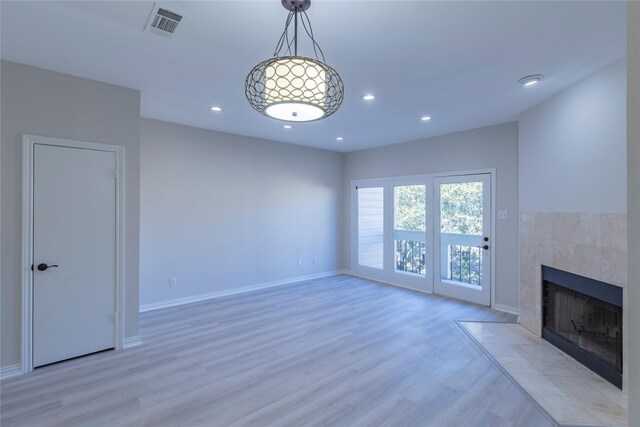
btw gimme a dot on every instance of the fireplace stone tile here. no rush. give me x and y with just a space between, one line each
588 229
527 224
527 273
563 225
587 261
588 244
563 255
544 224
528 249
614 231
614 266
544 251
567 390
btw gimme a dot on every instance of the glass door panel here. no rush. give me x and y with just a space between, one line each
409 228
463 221
371 227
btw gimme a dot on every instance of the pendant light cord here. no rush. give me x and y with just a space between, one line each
310 34
295 34
284 38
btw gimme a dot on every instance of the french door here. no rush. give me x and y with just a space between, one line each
462 237
392 232
410 242
370 225
426 233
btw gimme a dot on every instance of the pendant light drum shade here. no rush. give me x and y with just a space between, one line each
294 88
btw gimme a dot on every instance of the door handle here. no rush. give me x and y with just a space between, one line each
485 247
44 267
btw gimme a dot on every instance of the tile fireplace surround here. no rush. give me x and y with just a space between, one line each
593 245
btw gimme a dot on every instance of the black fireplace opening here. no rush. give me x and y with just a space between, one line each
583 317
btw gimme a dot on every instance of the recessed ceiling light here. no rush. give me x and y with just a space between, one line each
425 118
339 138
216 109
286 127
368 97
531 80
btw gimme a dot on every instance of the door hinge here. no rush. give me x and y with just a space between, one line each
115 317
116 173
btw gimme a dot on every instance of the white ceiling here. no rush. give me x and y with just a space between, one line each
456 61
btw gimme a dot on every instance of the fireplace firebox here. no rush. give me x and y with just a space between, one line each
583 317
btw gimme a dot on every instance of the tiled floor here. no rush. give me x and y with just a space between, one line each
569 392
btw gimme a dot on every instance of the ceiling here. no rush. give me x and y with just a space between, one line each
457 61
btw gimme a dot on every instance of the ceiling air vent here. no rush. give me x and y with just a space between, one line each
163 21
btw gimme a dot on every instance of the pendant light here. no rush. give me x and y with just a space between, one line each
291 87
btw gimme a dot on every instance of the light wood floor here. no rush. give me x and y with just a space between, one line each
338 351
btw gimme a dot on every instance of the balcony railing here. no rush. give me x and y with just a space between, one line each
410 256
461 258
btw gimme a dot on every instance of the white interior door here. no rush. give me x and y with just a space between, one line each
462 212
74 252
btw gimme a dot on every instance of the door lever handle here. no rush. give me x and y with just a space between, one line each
485 247
44 267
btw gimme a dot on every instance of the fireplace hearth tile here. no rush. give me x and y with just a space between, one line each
566 410
568 391
516 364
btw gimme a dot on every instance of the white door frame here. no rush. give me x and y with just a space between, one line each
28 143
364 182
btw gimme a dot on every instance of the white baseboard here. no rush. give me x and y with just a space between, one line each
500 307
409 288
10 371
507 309
212 295
132 342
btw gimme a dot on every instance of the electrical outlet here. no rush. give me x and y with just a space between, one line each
173 282
299 262
503 215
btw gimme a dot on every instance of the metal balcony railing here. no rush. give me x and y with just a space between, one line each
461 258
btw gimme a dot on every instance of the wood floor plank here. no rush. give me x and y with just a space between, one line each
339 351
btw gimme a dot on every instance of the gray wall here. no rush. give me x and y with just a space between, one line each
222 212
41 102
489 147
573 148
633 287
